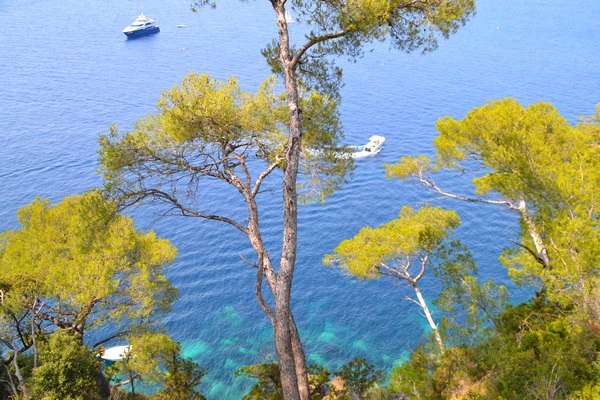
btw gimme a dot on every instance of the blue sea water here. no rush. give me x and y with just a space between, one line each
67 73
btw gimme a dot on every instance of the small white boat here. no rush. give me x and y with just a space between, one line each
288 17
142 26
370 149
116 353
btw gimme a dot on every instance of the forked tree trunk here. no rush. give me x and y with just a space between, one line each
290 355
289 347
22 386
13 388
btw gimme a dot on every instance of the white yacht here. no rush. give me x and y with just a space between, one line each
142 26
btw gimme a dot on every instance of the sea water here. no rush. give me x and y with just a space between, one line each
67 73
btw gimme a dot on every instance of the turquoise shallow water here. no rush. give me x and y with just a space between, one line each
67 73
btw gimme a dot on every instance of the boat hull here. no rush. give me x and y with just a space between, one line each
142 32
370 149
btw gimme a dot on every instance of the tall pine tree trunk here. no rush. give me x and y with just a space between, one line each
286 333
300 360
290 355
285 353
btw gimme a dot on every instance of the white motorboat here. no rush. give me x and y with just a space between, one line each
142 26
370 149
116 353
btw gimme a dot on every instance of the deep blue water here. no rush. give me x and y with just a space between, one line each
67 73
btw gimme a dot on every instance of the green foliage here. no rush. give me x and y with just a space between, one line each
539 352
148 355
413 378
10 387
410 236
346 28
268 381
155 359
401 249
209 129
67 370
71 267
319 381
536 351
324 166
537 164
409 167
494 132
590 391
268 385
454 375
359 376
181 381
198 118
149 164
471 308
88 261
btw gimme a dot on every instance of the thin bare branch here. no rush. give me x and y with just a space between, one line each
187 211
263 175
313 41
424 262
433 186
108 339
259 296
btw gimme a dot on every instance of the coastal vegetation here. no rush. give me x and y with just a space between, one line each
78 275
74 271
209 130
401 249
79 269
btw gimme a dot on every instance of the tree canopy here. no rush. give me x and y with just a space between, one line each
207 129
402 249
304 141
156 359
346 28
67 370
78 264
534 162
73 267
531 160
210 130
393 248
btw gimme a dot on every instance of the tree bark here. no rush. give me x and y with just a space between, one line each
531 227
22 387
290 355
13 388
285 353
432 324
300 360
289 346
